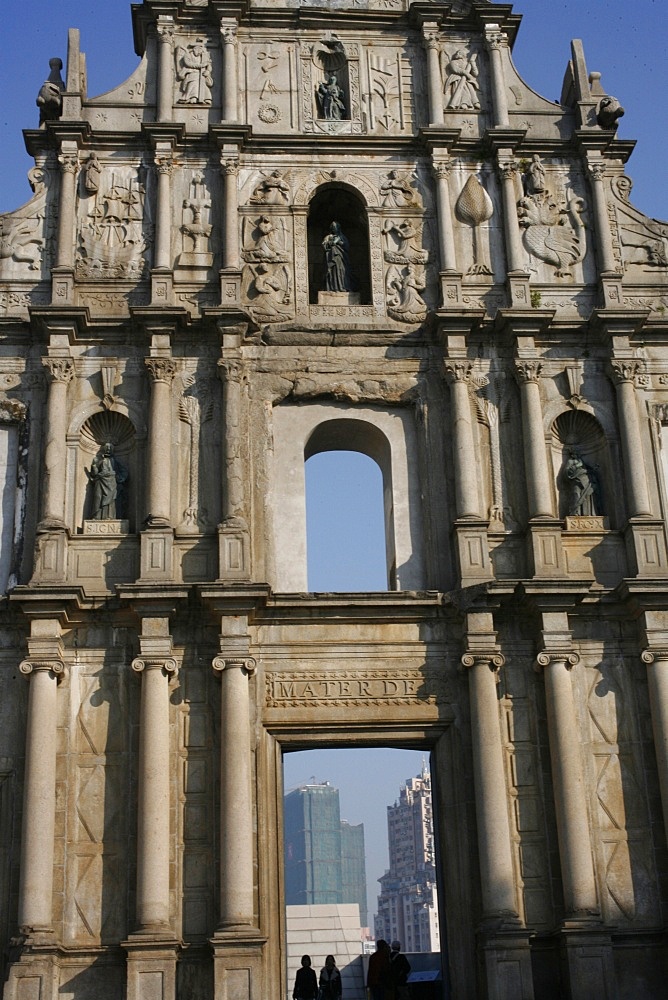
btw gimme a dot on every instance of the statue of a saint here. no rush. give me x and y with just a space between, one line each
91 174
584 491
330 96
534 178
193 70
108 478
336 247
461 90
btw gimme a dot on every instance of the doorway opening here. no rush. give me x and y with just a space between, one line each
359 860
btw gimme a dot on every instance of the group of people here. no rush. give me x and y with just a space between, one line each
387 978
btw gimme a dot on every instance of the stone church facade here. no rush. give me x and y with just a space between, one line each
300 228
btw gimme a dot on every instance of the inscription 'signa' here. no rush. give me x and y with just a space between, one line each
349 688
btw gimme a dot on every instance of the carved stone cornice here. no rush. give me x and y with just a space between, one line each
165 663
59 369
222 663
160 369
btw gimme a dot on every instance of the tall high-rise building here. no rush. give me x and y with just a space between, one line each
407 904
324 856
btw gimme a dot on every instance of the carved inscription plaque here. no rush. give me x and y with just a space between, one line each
346 688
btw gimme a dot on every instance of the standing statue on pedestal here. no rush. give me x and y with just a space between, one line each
330 96
108 478
583 488
194 73
336 247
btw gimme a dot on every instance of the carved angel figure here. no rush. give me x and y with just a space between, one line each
270 292
193 70
406 236
397 192
272 190
461 87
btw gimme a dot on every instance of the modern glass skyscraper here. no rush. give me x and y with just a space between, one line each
324 856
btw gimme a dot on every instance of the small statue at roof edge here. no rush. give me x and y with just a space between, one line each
50 97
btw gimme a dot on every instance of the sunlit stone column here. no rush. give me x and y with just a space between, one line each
69 165
230 170
491 795
508 171
495 39
657 683
446 240
434 79
575 849
236 812
165 28
602 222
60 372
163 228
466 481
230 372
623 374
39 797
228 32
161 372
153 835
539 493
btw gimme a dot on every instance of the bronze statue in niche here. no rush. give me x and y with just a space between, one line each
108 478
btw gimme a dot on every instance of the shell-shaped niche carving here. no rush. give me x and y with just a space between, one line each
109 427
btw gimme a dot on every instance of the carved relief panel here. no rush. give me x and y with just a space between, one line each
115 228
269 69
27 235
478 226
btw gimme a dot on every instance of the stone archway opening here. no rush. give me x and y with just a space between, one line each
336 203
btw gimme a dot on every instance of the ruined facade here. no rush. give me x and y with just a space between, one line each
295 229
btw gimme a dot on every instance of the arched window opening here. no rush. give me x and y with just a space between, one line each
345 530
336 204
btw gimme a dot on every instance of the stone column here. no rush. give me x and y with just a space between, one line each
39 795
162 258
434 79
233 535
602 223
623 374
69 165
228 32
236 811
494 40
165 29
491 795
467 501
508 172
60 372
657 682
539 493
230 171
161 371
153 812
575 849
446 240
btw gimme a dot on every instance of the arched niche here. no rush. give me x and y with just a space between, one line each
339 203
386 436
580 432
97 430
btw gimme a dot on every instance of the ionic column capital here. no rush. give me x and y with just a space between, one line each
650 656
222 663
56 667
165 663
489 658
59 369
547 658
160 369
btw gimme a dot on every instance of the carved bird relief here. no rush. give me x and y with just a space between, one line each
553 232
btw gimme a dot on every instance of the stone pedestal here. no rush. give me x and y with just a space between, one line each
151 970
51 549
234 550
34 977
475 565
157 546
646 547
546 551
237 966
587 962
338 298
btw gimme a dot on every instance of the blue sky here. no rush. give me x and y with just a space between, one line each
625 41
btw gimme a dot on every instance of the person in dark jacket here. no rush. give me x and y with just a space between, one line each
330 980
306 981
400 968
378 976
